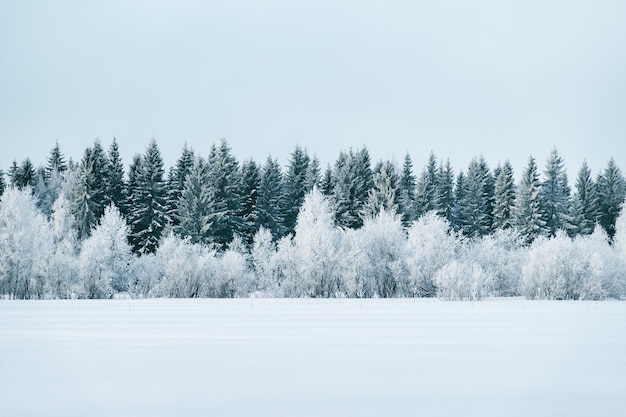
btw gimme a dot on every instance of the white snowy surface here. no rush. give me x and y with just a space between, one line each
262 357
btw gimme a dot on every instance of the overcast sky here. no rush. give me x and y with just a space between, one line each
460 78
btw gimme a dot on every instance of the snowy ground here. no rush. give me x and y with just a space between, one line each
258 357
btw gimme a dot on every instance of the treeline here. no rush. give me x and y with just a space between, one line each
211 200
214 227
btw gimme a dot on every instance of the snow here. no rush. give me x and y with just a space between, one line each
309 357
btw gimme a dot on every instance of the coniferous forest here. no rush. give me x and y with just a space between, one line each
213 226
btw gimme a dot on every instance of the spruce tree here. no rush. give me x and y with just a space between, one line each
222 196
192 209
148 211
458 211
312 178
475 219
116 189
406 192
555 196
14 174
269 200
445 191
250 181
295 187
3 184
426 194
611 193
585 201
504 198
100 192
327 182
56 161
176 183
528 208
82 205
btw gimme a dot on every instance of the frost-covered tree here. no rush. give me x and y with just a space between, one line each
221 196
105 257
352 181
3 184
191 207
265 268
462 280
269 208
62 276
148 210
504 198
555 196
426 192
431 244
26 245
474 217
384 194
611 189
529 221
374 262
83 206
327 182
176 183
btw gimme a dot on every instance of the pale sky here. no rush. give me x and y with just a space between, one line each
505 79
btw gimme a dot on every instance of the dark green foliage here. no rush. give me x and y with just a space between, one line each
269 209
55 162
611 192
529 220
148 210
352 183
176 183
295 187
445 191
24 175
504 197
327 183
555 197
585 202
474 219
3 184
250 181
116 187
406 192
191 208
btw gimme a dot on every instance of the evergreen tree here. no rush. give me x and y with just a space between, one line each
99 181
459 202
192 210
426 195
585 202
352 184
475 221
176 183
406 192
24 175
55 162
82 205
555 196
504 197
611 193
148 215
222 196
384 195
295 187
312 178
269 209
488 183
445 191
528 208
14 173
114 179
250 181
3 184
327 183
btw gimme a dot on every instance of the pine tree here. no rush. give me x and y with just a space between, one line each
504 198
384 195
191 208
611 193
82 205
458 211
14 173
24 175
488 182
585 202
114 180
555 196
352 183
312 178
327 183
176 183
148 215
269 209
445 191
475 216
3 184
406 192
222 196
56 161
295 187
99 181
426 194
250 181
528 208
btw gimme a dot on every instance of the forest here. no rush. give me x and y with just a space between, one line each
216 227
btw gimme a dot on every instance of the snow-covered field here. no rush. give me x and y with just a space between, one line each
306 357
